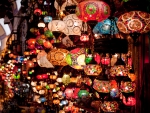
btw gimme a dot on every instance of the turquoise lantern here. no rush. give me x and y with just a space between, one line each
107 26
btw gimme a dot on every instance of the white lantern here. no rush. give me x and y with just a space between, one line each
73 25
56 25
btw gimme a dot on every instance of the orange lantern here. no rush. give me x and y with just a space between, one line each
92 10
47 44
38 87
51 86
30 64
56 101
53 77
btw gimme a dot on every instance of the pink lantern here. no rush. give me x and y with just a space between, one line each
134 21
92 10
69 93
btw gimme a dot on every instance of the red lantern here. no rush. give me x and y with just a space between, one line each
31 41
39 77
37 12
84 37
44 76
130 101
92 10
105 60
31 46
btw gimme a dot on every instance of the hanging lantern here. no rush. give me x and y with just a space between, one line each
57 56
47 44
41 24
119 69
69 93
127 87
83 93
102 86
31 41
130 101
92 10
105 60
106 27
56 25
66 79
109 106
92 69
84 37
38 12
73 25
134 21
47 19
76 58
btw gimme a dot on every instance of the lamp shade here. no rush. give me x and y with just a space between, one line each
57 56
134 21
92 10
56 25
73 24
76 58
106 27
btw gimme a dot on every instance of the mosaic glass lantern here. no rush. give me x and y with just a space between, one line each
106 27
76 58
57 56
92 10
127 86
109 106
47 19
134 21
102 86
92 69
73 24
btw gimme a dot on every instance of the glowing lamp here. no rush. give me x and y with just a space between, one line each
38 12
57 56
76 58
83 93
106 27
31 41
39 77
127 87
41 24
92 10
109 106
84 37
56 25
134 23
92 69
47 19
102 86
69 93
105 60
73 24
130 101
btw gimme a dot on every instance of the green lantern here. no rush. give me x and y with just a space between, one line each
83 93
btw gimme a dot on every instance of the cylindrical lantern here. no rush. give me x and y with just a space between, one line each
92 10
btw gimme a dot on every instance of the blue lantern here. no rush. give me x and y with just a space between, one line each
43 99
47 19
107 26
20 59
